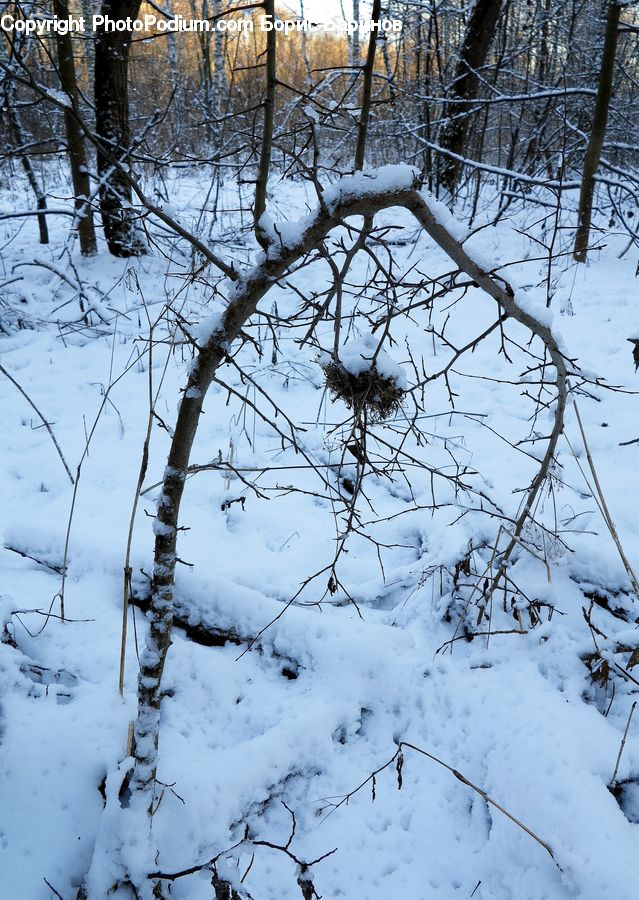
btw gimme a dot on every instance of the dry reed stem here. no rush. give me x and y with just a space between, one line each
604 507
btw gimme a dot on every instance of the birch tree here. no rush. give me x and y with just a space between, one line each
76 147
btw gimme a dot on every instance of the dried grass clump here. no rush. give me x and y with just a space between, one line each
367 393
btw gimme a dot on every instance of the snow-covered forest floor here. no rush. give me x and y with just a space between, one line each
255 733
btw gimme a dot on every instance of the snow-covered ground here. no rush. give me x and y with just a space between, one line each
339 677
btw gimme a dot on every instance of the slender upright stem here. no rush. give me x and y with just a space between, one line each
367 89
267 129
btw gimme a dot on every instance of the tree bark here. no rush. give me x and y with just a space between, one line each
597 133
75 138
354 48
112 126
15 130
478 38
367 89
267 127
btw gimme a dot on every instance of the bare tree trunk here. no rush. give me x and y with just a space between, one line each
15 130
267 128
112 126
597 133
75 138
179 105
207 81
219 64
304 42
87 42
355 51
369 68
479 35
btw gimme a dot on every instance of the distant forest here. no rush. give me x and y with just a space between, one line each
500 93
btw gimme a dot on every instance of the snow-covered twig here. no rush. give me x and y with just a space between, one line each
42 419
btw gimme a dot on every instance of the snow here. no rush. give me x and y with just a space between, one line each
531 305
208 327
384 180
162 530
284 234
360 355
328 690
444 217
59 97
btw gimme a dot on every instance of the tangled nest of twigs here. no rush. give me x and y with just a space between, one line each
367 393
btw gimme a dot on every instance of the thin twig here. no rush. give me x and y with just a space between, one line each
623 744
398 758
604 507
42 419
128 572
52 889
40 562
85 453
